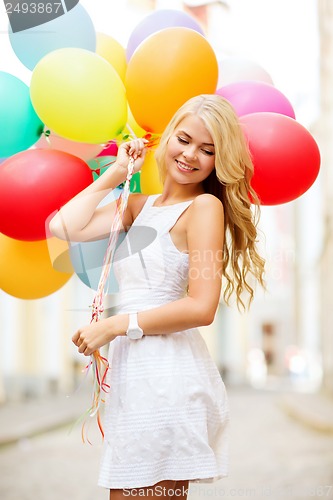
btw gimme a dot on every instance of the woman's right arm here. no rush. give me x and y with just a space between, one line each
80 219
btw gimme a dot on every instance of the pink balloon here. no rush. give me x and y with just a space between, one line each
79 149
110 150
255 97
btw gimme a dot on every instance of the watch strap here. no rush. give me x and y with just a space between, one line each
133 321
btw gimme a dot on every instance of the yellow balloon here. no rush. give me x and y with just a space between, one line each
26 270
112 51
131 129
133 126
149 178
79 95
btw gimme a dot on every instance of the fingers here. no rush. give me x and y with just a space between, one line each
79 340
135 148
75 338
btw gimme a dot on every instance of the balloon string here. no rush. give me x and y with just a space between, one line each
99 364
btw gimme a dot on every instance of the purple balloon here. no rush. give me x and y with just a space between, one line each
249 97
159 20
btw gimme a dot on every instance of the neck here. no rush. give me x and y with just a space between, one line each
174 192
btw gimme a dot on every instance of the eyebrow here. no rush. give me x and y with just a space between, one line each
187 135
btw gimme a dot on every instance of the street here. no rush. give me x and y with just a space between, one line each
272 456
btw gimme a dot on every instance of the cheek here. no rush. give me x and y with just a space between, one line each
209 165
173 149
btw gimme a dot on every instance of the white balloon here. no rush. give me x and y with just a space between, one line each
235 68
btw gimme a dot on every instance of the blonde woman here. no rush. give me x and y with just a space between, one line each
166 415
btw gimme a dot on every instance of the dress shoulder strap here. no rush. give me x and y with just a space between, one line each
174 213
147 204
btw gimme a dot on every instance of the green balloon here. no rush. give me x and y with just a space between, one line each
19 124
101 163
135 183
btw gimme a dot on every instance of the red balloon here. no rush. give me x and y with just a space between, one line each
34 184
286 157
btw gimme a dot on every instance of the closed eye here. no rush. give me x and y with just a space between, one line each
181 140
207 152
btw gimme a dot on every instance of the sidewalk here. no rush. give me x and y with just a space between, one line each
20 420
262 464
23 419
314 410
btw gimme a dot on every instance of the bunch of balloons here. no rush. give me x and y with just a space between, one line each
88 93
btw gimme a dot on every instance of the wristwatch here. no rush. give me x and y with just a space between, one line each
134 332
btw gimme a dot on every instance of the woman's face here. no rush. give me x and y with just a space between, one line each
190 153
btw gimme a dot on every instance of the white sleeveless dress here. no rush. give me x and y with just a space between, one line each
166 415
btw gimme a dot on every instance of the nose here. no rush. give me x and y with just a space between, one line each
190 152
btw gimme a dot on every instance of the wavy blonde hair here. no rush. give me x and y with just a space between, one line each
230 182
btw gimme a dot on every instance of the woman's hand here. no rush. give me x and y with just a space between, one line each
135 149
91 337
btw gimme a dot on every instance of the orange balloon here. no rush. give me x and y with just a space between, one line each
149 178
26 270
168 68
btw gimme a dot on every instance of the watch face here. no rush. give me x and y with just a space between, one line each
135 333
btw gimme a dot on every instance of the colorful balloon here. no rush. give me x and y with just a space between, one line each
19 124
26 270
100 164
74 29
149 179
113 52
255 97
159 20
285 155
87 257
79 95
135 183
110 149
33 185
87 260
235 68
166 70
131 129
50 140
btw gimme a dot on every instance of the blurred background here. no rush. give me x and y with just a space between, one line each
276 360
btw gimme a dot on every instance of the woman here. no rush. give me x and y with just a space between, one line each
166 416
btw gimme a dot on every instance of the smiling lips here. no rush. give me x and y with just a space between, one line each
185 168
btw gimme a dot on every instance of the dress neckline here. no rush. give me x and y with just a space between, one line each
173 204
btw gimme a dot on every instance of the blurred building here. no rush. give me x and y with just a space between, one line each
286 338
324 129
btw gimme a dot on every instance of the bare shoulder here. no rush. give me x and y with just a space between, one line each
205 227
207 205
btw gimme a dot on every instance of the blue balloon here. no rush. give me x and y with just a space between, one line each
19 124
73 29
87 260
87 257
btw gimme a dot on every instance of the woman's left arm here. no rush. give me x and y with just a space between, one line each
205 233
